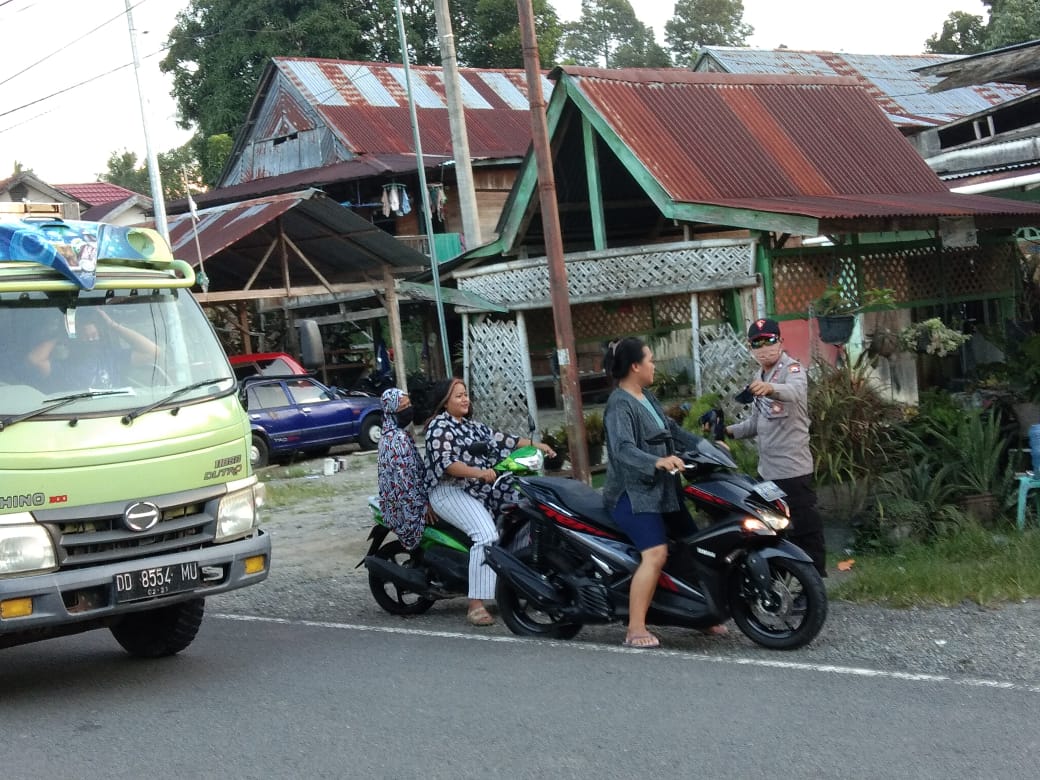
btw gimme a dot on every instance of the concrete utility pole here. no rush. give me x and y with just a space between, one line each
561 305
457 121
158 204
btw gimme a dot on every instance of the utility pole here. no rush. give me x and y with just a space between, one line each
426 205
561 304
457 121
158 204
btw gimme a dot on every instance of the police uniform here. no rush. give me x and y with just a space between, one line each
780 423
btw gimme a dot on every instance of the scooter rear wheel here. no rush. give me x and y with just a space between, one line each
523 617
391 596
792 614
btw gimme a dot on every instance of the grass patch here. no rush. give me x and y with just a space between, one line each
975 565
288 493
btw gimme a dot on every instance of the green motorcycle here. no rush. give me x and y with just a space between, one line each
408 582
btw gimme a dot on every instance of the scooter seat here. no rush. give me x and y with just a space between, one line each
580 499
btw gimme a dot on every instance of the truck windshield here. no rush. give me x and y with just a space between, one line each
147 344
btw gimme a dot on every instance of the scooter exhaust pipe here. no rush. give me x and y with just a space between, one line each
413 580
522 577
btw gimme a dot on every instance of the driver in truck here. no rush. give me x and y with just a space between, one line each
92 355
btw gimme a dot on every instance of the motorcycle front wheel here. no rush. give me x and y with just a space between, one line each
389 595
523 617
790 615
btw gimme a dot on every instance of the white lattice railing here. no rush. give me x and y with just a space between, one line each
496 375
691 266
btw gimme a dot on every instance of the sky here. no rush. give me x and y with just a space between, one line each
69 99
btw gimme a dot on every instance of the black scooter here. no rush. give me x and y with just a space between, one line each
579 564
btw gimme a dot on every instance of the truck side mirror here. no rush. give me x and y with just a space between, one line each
312 350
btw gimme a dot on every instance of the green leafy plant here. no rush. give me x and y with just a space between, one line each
975 452
833 303
595 431
931 337
855 434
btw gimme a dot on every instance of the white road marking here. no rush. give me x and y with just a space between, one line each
853 671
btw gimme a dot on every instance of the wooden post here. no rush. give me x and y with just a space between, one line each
393 315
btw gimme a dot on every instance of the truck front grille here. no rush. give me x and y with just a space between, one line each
104 539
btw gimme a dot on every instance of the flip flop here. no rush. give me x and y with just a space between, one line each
645 641
479 616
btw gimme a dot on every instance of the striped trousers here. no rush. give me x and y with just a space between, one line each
454 505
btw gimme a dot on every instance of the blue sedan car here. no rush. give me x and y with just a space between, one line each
290 414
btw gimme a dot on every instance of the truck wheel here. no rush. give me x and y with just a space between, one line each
160 632
371 431
259 452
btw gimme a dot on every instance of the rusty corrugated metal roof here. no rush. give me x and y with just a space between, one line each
811 146
708 137
901 92
366 104
339 245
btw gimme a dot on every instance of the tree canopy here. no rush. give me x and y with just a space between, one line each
1010 22
697 23
125 170
608 35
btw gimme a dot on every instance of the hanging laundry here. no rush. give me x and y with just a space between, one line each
442 201
406 206
386 203
395 200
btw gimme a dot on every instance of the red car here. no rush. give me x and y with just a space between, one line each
265 364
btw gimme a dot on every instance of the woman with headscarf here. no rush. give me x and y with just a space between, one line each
402 475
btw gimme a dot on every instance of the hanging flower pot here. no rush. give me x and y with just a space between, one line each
884 343
836 329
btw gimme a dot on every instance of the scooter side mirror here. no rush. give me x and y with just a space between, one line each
478 448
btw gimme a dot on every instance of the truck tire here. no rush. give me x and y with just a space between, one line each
160 632
259 452
371 431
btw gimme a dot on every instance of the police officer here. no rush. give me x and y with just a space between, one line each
780 420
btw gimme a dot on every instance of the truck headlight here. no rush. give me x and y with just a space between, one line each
25 548
237 512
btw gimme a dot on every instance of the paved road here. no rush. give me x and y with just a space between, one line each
259 698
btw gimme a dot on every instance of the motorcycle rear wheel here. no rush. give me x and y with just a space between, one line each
523 617
391 596
794 613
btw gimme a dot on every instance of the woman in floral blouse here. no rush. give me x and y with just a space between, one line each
461 484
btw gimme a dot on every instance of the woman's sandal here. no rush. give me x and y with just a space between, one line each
642 641
479 616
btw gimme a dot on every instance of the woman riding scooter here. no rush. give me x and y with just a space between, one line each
461 489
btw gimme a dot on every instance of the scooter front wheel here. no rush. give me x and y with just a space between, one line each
391 596
523 617
790 615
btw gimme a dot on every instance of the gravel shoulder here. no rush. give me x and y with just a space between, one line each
318 542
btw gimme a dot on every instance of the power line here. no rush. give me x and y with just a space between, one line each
70 43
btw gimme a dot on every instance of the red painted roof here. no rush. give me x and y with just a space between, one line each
96 192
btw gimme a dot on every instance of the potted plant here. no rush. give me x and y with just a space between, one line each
932 337
883 341
595 435
835 316
975 451
1023 373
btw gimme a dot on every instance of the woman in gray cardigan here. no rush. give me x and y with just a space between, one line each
642 490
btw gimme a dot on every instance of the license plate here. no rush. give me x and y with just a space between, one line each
769 490
156 581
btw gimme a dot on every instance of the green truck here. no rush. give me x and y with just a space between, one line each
126 495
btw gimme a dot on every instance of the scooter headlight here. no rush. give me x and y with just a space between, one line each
775 521
752 525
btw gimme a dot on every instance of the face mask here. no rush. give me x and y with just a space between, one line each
404 417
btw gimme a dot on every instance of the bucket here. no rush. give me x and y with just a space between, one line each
330 465
1034 447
